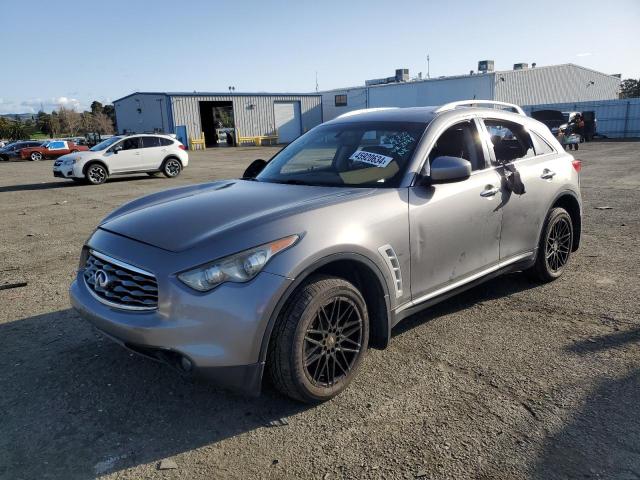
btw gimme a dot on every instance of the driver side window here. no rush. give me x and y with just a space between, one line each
131 143
461 140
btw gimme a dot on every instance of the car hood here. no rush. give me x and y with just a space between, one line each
80 155
184 218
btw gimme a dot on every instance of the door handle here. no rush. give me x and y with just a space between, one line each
547 174
489 191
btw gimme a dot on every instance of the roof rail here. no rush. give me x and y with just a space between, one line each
363 110
468 103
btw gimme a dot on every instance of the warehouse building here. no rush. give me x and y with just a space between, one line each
523 85
280 116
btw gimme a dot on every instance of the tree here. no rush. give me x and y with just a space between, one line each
96 107
16 131
43 122
70 121
630 88
102 123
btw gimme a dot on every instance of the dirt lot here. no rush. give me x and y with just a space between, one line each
510 380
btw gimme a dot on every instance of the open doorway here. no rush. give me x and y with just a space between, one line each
217 123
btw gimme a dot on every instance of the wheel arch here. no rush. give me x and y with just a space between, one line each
170 156
360 271
91 162
569 201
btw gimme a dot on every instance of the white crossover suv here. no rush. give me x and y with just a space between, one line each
124 154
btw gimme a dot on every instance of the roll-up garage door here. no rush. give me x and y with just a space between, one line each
288 121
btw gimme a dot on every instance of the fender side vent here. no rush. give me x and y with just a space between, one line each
390 257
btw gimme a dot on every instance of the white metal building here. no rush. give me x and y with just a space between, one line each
284 115
524 86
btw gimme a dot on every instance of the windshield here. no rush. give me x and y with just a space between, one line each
366 154
104 144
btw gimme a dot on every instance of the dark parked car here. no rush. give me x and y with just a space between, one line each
12 150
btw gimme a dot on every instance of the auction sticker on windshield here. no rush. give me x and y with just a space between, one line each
371 158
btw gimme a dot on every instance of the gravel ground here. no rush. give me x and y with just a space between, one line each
509 380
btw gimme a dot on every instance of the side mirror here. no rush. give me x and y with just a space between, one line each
254 169
116 149
447 169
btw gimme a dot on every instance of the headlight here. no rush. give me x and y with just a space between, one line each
70 161
240 267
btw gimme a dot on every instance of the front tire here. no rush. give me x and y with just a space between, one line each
554 248
319 340
171 167
35 156
96 174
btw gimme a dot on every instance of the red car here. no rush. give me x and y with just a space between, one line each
52 149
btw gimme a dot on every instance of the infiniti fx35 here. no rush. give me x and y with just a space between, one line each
298 268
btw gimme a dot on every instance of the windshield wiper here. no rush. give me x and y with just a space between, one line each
292 182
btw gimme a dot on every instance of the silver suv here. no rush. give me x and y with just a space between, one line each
359 223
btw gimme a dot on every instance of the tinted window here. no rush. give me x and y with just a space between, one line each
354 154
540 145
460 140
165 142
131 143
148 142
510 140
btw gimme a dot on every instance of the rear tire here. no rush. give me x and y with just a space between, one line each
35 156
96 174
319 340
554 247
171 167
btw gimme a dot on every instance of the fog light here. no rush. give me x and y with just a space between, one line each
185 364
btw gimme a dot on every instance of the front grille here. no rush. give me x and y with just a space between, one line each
120 285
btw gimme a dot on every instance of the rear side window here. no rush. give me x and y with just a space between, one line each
540 145
165 142
149 142
510 140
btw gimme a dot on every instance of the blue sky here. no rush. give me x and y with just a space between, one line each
71 52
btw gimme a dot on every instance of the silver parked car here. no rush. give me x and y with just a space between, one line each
359 223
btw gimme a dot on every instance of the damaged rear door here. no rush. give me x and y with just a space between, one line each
514 149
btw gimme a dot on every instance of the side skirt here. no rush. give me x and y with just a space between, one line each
409 309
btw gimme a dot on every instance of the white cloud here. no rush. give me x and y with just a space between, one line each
585 54
33 105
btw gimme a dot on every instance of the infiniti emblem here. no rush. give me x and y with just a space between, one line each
101 279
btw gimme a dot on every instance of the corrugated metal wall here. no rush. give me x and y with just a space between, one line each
554 84
253 115
432 92
616 118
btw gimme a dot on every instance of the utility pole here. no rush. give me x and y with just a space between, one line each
428 73
316 81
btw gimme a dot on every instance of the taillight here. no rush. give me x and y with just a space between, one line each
577 165
182 147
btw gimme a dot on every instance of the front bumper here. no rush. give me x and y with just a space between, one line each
61 170
219 332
